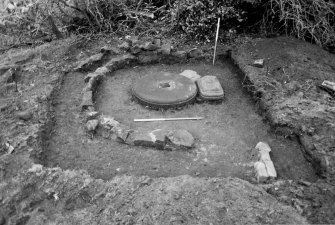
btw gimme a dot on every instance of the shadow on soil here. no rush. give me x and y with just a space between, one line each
224 139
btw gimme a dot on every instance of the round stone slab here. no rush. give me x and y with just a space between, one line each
164 90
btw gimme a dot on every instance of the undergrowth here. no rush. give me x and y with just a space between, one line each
310 20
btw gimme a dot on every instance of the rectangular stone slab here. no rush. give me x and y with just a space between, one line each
210 88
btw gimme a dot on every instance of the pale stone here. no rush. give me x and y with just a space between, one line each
270 168
92 125
261 172
259 63
191 74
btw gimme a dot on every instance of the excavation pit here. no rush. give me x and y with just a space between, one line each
224 139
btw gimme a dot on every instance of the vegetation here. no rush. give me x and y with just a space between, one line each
311 20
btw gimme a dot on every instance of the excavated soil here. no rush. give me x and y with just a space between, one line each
54 134
224 139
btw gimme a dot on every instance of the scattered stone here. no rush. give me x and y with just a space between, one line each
261 173
210 88
149 46
179 139
108 122
148 59
180 55
125 46
165 49
91 115
120 62
135 50
160 138
143 137
36 168
259 63
109 50
87 63
87 100
121 133
92 125
24 115
195 53
132 39
264 157
191 74
102 70
158 42
93 77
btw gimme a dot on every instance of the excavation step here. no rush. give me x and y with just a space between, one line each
164 90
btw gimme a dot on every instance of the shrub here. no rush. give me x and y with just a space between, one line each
310 20
198 18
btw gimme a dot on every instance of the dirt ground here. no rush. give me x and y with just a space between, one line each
225 138
176 188
289 94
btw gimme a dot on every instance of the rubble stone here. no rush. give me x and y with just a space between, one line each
259 63
191 74
24 115
180 139
87 63
143 137
195 53
125 46
108 122
120 62
260 171
92 125
149 46
87 100
165 49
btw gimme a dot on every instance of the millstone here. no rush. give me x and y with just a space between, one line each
164 90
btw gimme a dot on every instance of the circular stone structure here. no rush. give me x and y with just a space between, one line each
164 90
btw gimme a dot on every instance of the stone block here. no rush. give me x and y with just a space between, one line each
143 137
165 49
102 70
120 133
261 172
87 100
149 46
191 74
108 122
24 115
179 139
148 58
270 168
92 125
136 49
125 45
110 50
195 53
120 62
258 63
86 64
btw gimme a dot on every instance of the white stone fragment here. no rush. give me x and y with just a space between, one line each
261 172
270 168
259 63
264 157
191 74
263 151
